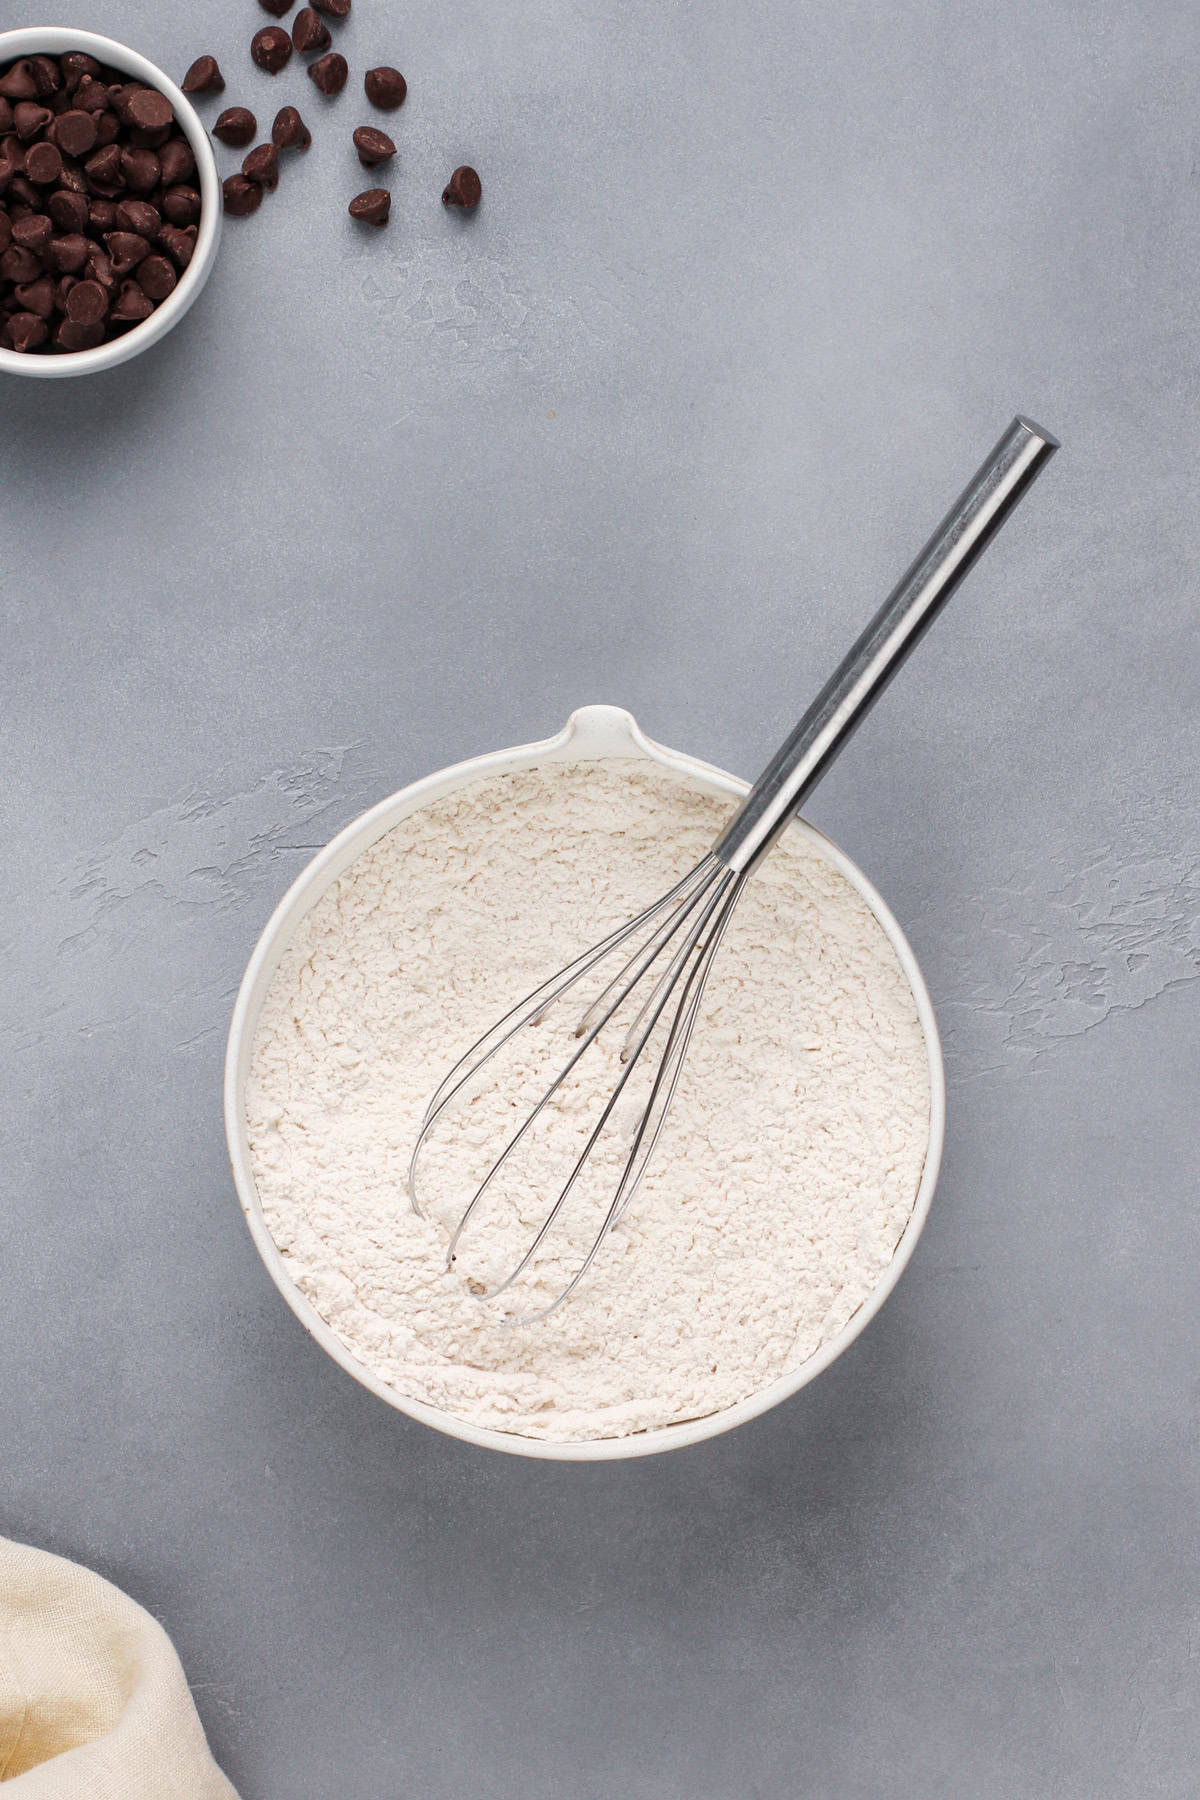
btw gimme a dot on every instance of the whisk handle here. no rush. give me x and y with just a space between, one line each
897 627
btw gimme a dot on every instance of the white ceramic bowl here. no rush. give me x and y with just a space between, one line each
55 40
593 731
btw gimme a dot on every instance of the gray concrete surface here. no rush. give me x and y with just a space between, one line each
751 290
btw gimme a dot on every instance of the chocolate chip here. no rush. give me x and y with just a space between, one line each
176 161
20 265
26 331
271 48
464 190
204 77
6 116
139 217
329 73
98 267
76 334
309 32
87 303
262 165
33 233
92 95
29 118
18 83
141 170
75 65
66 255
73 179
108 128
181 205
148 110
333 9
46 77
5 230
180 240
126 249
373 207
23 192
102 215
236 126
75 132
156 277
289 132
241 196
44 164
36 296
385 88
277 8
131 304
68 211
373 146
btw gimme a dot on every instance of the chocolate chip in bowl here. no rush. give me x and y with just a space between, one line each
113 150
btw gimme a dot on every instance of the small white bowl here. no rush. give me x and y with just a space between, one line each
56 40
592 732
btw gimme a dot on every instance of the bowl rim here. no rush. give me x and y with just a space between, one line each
591 731
55 40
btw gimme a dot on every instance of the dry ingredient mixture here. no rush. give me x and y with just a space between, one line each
780 1188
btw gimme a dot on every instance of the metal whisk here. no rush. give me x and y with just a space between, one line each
675 940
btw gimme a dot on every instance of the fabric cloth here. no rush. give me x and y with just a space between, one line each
93 1702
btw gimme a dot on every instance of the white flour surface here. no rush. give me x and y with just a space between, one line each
778 1193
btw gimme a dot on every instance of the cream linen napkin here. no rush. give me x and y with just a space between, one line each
93 1702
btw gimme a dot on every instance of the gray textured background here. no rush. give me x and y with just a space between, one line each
751 291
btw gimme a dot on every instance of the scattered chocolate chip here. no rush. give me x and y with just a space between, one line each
373 146
262 165
236 126
271 48
333 9
156 277
373 207
75 65
139 217
385 88
329 73
33 233
241 196
464 190
204 77
36 296
309 32
43 164
29 118
66 255
176 161
75 132
277 8
17 83
87 303
180 241
289 132
181 205
133 303
26 331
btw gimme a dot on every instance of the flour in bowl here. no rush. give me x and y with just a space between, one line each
780 1189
